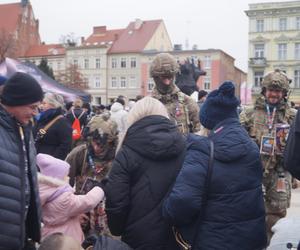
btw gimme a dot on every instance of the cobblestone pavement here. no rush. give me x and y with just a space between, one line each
294 210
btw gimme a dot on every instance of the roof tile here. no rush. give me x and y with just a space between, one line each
135 37
9 15
45 50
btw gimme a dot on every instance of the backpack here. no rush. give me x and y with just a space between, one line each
76 126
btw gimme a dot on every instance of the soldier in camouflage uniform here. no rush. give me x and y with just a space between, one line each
271 110
182 109
92 161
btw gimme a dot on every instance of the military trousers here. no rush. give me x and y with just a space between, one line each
276 200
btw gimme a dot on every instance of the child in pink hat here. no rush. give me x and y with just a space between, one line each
61 208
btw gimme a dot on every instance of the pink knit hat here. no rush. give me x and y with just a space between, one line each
52 167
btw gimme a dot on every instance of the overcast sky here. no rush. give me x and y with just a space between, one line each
218 24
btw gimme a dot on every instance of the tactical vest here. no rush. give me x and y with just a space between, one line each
178 111
94 169
258 127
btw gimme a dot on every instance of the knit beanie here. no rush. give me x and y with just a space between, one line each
2 80
51 166
21 89
220 104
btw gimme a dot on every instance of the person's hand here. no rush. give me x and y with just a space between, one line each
83 218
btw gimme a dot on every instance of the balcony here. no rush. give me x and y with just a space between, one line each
258 62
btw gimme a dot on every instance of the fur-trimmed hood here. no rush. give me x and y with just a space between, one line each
51 181
50 187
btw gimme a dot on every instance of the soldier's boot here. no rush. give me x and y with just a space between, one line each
271 219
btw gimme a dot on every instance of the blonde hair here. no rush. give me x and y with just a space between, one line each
55 100
77 103
203 131
143 108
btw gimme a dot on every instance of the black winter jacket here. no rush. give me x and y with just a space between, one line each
13 225
58 139
291 154
143 172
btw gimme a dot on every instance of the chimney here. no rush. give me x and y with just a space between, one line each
177 46
24 3
138 23
82 40
116 36
99 30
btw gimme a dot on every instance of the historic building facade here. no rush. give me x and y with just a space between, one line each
274 42
115 62
19 30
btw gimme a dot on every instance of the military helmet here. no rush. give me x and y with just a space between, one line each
276 79
102 126
163 64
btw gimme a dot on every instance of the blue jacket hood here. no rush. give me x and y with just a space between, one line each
229 142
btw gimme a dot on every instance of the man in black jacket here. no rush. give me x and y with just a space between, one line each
19 200
291 154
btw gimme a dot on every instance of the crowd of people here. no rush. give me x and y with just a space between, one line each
162 172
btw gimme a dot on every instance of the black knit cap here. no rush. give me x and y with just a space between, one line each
21 89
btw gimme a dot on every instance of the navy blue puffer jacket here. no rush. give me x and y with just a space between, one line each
14 228
234 217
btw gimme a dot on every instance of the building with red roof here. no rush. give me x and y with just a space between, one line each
18 29
117 61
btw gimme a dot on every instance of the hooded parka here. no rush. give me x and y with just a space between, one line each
142 174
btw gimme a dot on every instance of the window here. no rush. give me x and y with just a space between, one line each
98 100
282 50
258 76
207 62
123 82
297 51
114 83
97 63
58 66
282 24
207 83
133 62
123 62
97 82
114 63
260 25
132 82
297 78
298 23
259 50
150 84
86 63
75 62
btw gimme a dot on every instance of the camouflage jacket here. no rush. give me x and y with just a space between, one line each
182 109
255 121
80 169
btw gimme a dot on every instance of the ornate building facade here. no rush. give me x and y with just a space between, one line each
274 42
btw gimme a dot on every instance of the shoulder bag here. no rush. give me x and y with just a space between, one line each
42 132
